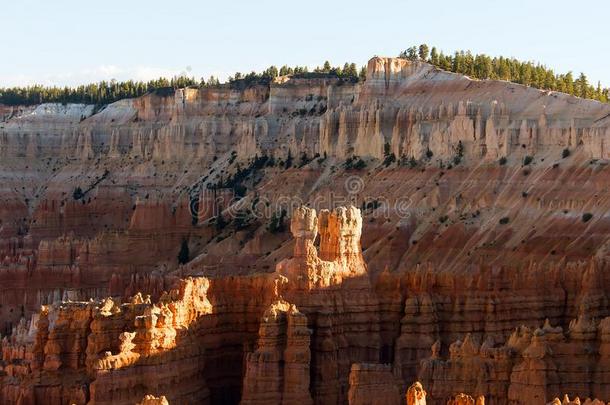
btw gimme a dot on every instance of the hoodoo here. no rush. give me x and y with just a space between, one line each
416 236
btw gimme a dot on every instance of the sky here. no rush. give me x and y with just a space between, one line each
69 42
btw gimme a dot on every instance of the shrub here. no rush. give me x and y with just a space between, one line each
304 159
429 153
194 211
527 160
239 190
220 222
355 162
260 162
504 221
360 164
288 163
276 225
78 193
370 205
459 153
242 220
387 149
565 153
389 159
586 217
233 157
502 161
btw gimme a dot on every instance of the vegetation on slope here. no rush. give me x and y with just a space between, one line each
349 72
481 66
478 66
108 92
96 93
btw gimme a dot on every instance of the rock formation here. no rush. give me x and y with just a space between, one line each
86 342
373 384
152 400
566 400
477 262
278 371
416 394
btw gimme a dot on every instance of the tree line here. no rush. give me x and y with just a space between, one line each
106 92
348 72
481 66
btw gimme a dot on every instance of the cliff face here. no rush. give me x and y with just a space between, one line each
475 228
410 105
316 330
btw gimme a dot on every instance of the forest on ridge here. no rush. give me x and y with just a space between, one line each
477 66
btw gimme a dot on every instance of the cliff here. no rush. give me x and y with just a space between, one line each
483 213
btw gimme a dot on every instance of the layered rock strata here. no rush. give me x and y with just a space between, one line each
455 247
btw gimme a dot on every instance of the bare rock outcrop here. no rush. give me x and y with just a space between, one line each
416 395
483 212
152 400
278 371
373 384
86 341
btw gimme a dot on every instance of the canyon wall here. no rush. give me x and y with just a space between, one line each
484 213
313 331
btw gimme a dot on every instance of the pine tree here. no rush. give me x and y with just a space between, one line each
271 72
582 86
423 52
569 83
353 70
412 53
362 74
183 255
288 163
434 56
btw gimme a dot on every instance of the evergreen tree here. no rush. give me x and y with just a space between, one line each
288 163
482 66
362 74
412 53
272 72
183 255
569 83
423 52
583 86
276 223
220 222
477 66
434 56
352 70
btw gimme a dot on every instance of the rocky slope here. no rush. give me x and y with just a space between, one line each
478 264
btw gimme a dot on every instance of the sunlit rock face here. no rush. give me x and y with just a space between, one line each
313 331
432 223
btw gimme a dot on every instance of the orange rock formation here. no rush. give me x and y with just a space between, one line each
478 263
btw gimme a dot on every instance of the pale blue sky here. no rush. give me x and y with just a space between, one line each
74 41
